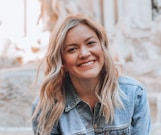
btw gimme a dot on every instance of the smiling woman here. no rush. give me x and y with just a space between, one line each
82 92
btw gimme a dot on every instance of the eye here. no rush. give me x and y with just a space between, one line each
91 42
71 50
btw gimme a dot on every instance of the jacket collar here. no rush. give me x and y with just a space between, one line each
72 99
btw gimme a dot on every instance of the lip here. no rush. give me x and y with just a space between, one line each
86 63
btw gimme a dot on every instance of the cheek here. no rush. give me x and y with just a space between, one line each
68 62
98 51
100 54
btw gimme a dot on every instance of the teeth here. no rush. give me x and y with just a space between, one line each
87 64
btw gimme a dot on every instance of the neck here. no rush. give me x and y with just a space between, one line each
85 87
86 90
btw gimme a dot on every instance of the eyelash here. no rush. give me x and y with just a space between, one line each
91 42
71 49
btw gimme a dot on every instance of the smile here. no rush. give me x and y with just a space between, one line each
87 63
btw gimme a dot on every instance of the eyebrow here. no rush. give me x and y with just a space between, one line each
72 44
89 38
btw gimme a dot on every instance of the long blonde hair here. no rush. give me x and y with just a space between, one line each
52 94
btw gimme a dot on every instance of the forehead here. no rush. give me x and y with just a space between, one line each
81 30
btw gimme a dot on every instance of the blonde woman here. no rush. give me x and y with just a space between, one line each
83 93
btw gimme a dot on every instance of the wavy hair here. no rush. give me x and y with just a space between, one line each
52 94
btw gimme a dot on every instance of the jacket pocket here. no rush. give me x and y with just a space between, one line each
118 130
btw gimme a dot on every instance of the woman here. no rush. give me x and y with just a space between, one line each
82 92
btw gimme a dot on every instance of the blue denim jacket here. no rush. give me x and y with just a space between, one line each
78 119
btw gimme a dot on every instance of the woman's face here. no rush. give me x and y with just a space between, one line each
83 56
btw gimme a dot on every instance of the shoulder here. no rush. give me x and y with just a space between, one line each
127 82
35 103
132 88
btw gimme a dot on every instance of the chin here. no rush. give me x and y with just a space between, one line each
90 76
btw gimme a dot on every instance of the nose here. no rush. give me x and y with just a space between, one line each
84 52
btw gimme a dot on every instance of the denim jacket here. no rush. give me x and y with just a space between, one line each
78 119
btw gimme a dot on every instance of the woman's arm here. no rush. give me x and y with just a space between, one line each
141 121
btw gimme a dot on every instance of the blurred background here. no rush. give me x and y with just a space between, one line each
134 32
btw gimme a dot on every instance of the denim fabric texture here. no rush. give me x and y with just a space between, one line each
79 119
